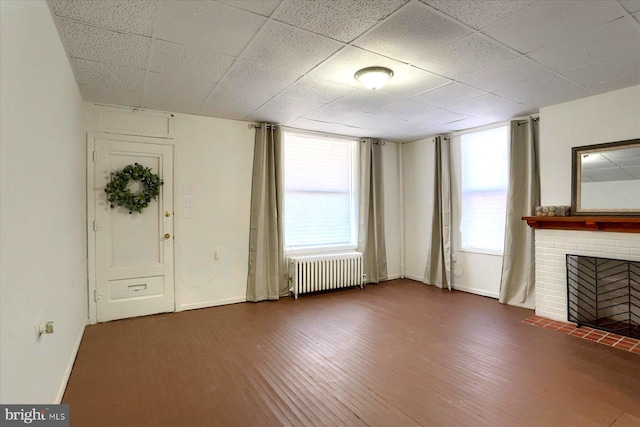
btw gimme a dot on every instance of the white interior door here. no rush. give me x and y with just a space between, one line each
133 252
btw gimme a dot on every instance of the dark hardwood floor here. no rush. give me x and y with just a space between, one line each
395 354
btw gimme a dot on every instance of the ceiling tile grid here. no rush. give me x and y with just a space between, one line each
342 20
457 64
188 61
206 25
261 7
546 22
469 55
412 34
290 48
478 14
132 17
175 93
97 44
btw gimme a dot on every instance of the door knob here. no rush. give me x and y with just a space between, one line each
167 236
167 214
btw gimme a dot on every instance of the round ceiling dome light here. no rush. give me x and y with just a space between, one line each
374 77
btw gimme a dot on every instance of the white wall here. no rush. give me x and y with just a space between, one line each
216 161
213 167
601 195
612 116
42 190
597 119
392 229
417 188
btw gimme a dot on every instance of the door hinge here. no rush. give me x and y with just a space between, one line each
97 295
94 157
95 227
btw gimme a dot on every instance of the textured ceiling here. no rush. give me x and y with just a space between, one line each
457 63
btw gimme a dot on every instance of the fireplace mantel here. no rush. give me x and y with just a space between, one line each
619 224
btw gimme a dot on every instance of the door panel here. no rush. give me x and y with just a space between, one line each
134 259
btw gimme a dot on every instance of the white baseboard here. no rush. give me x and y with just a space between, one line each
419 279
480 292
393 277
72 360
205 304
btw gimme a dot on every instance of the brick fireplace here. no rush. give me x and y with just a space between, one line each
552 246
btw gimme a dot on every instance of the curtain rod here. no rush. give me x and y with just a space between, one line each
259 125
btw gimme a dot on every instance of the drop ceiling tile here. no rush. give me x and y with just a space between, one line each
491 108
506 74
104 75
58 6
613 174
187 61
290 48
210 26
447 95
283 110
633 171
336 128
546 91
111 96
620 83
319 90
406 80
631 6
412 34
95 44
478 14
612 39
175 93
234 102
261 7
617 68
545 22
259 77
373 122
342 20
468 123
412 111
361 100
625 154
134 17
470 55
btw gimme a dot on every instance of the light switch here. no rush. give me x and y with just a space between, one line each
187 201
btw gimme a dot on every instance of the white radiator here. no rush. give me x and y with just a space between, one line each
312 273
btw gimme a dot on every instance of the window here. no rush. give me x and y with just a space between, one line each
485 175
320 203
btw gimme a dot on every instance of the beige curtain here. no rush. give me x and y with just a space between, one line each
438 270
371 211
518 264
267 278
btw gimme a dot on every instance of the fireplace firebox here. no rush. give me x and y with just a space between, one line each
604 293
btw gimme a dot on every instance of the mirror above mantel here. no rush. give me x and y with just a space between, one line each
606 179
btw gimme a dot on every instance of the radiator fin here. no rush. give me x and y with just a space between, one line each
313 273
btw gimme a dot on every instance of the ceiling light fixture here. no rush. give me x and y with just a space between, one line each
374 77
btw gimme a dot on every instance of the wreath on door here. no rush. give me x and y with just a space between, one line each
119 193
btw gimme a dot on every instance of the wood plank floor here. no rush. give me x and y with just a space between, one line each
395 354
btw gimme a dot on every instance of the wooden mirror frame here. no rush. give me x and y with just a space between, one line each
576 181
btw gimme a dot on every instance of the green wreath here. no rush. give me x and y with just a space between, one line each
119 194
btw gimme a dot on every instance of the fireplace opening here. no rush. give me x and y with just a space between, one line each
604 293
